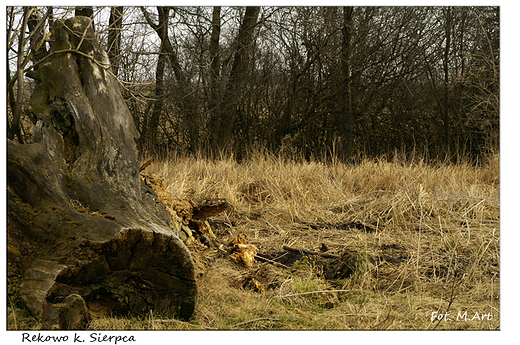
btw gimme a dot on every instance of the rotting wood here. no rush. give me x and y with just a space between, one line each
85 234
188 214
243 252
311 252
145 165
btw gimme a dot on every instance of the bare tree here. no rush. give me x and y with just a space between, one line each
161 28
346 99
446 69
225 123
114 36
14 128
214 56
368 80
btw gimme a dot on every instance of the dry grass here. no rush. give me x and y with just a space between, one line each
434 245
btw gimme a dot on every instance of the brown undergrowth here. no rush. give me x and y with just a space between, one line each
413 242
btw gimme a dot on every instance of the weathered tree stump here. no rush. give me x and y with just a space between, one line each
85 234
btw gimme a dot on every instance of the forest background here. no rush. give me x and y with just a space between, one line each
353 82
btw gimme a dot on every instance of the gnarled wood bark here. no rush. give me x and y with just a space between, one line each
85 234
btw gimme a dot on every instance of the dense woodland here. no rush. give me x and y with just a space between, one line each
349 81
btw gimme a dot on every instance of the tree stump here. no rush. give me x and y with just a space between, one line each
86 236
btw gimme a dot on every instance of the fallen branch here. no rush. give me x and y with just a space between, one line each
311 252
261 258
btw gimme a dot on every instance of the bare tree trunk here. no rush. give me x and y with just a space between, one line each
162 31
114 36
346 99
148 139
445 63
185 98
214 55
14 128
151 130
85 233
226 123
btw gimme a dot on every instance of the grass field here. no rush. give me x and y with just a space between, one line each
413 240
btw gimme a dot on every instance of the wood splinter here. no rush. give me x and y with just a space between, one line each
145 165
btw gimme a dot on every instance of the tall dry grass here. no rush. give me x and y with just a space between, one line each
434 247
444 217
